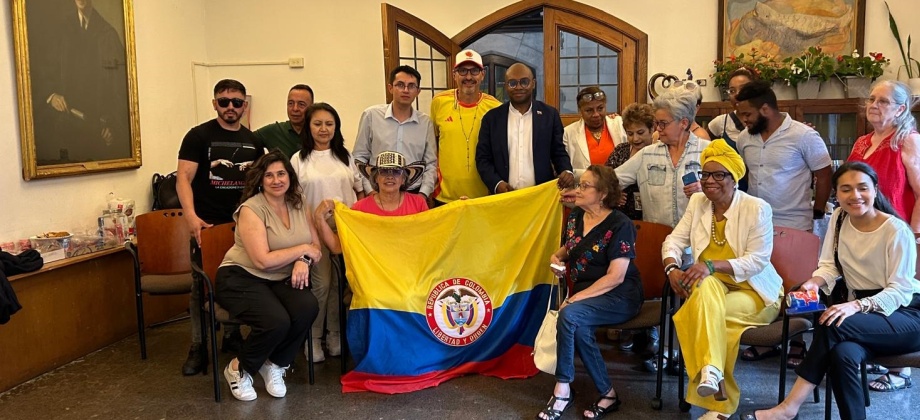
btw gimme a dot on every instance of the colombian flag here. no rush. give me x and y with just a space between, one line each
451 291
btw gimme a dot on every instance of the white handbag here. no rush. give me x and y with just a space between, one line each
544 345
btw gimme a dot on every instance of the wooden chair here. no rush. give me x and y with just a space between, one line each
161 262
215 242
795 257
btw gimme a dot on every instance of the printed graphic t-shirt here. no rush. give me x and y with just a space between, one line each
223 156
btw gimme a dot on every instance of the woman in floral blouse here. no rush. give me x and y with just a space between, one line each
598 253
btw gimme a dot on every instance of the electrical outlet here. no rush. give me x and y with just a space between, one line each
295 62
701 82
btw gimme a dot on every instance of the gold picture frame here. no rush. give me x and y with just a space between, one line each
76 74
786 28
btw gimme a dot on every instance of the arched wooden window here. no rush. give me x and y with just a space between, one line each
568 44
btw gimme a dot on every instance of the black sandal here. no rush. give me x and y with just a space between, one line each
752 354
795 358
599 412
550 412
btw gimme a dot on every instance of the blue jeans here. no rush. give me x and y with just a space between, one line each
575 330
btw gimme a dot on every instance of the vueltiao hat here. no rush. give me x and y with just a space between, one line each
390 159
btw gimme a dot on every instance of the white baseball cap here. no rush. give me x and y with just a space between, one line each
468 56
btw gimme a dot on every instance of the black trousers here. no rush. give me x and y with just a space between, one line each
278 314
842 350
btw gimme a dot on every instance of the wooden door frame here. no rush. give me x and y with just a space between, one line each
395 19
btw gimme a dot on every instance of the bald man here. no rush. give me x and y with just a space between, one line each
520 142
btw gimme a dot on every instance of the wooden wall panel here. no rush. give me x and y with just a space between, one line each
71 310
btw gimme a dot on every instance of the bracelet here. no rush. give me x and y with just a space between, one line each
306 260
669 268
712 268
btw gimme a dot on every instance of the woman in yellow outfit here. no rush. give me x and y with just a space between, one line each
731 287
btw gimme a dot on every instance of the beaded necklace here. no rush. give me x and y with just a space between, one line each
713 228
463 130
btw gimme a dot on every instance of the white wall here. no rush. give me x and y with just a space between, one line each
342 45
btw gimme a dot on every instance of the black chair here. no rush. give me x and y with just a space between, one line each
161 262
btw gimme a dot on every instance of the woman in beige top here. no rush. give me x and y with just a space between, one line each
264 278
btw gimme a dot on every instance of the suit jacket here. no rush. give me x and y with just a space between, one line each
577 146
549 155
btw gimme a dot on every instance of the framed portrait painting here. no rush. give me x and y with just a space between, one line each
77 86
784 28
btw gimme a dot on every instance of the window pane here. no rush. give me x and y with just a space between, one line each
568 71
437 55
517 40
568 44
422 49
612 92
587 47
609 70
424 100
604 51
568 102
424 69
406 44
587 71
440 75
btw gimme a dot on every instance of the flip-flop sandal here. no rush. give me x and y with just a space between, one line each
795 358
751 354
883 383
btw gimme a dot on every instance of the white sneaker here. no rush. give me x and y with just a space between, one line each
334 343
240 384
318 355
273 375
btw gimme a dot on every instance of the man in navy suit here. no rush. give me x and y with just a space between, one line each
520 142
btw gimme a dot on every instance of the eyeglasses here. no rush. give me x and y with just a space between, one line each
524 82
718 176
411 87
225 102
881 102
661 125
596 96
463 71
394 172
584 186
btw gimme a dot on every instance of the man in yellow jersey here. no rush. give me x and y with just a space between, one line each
457 115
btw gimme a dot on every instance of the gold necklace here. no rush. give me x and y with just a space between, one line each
380 202
714 237
463 131
597 135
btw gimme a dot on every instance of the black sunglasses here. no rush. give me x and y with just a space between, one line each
225 102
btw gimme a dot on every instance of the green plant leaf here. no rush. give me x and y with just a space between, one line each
897 35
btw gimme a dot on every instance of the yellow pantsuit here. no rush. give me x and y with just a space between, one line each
709 326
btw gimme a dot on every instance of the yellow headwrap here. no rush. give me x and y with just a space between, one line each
719 151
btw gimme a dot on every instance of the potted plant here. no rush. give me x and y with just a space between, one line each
857 72
808 71
756 62
911 64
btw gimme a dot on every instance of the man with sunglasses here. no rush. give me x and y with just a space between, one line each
590 140
520 143
782 156
457 115
286 135
213 160
399 127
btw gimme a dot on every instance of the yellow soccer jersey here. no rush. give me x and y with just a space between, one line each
458 134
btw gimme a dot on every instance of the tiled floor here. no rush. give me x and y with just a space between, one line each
115 384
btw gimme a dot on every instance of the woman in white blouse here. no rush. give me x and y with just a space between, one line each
876 253
326 170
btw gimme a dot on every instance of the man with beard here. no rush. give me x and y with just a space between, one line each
286 135
782 156
590 140
520 143
457 115
213 160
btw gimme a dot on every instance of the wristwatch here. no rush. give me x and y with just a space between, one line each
306 260
817 214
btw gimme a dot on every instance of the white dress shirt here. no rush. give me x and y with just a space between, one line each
520 148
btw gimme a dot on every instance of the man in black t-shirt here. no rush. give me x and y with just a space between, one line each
213 160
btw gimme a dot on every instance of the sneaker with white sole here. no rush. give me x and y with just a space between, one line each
273 375
318 355
334 343
240 384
